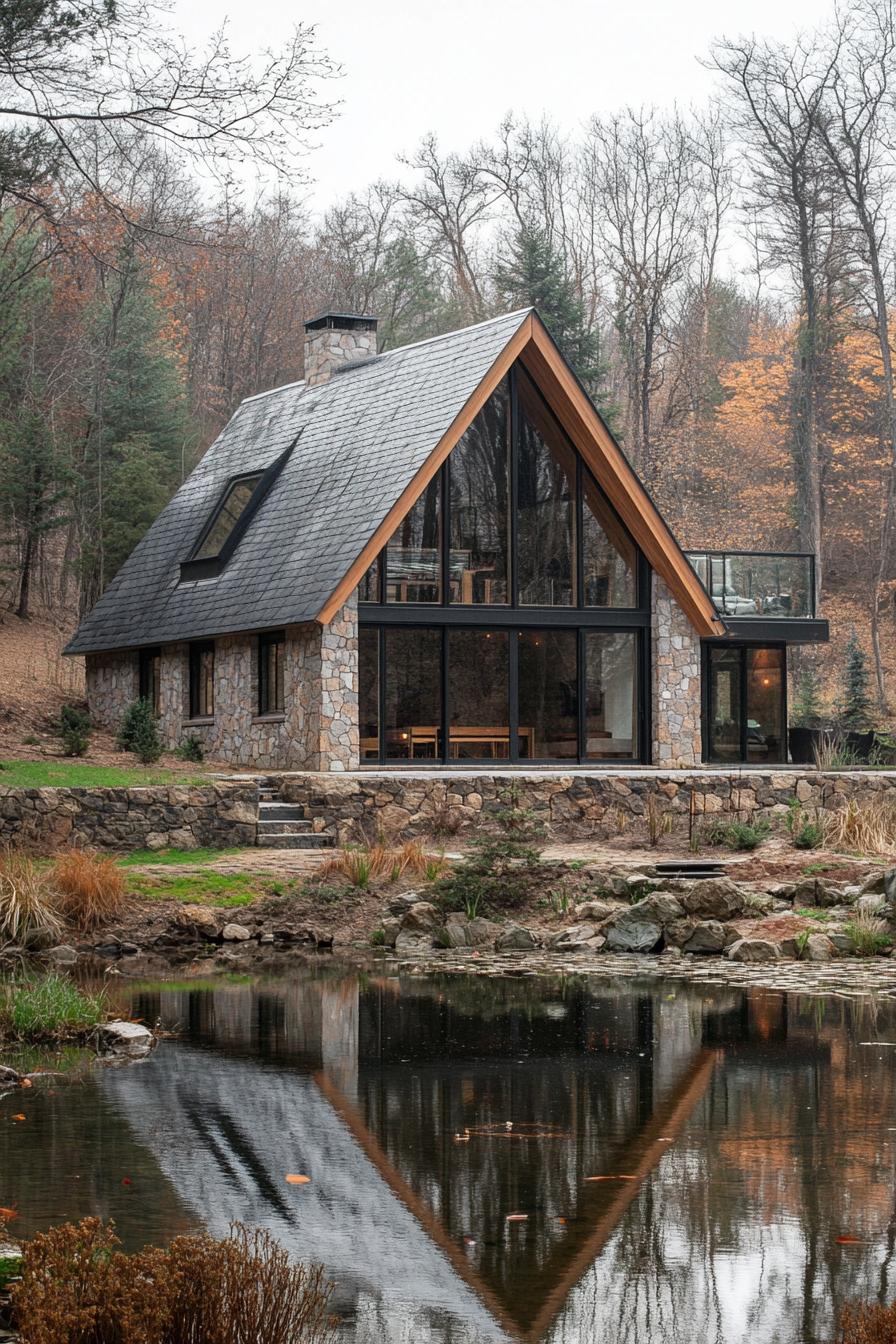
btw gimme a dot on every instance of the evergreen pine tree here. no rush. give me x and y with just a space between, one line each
139 442
856 710
807 709
534 274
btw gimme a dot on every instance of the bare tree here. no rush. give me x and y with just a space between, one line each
790 192
642 182
857 128
68 68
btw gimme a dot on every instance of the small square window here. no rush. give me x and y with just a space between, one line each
271 660
202 680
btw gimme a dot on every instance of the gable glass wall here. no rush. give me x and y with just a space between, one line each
507 617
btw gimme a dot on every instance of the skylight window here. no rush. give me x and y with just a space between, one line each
224 520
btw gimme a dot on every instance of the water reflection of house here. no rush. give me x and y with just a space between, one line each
424 1118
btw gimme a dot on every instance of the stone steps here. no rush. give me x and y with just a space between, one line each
285 826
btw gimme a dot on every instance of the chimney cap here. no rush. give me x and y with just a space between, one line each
341 321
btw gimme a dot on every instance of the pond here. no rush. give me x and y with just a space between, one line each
500 1158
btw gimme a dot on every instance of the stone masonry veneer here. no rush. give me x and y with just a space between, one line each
317 731
402 804
178 816
676 683
326 349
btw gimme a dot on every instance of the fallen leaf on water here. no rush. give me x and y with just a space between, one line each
559 1218
26 1082
20 1116
126 1180
517 1218
611 1178
7 1215
850 1241
461 1138
298 1180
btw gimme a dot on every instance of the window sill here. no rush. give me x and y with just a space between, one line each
269 718
198 723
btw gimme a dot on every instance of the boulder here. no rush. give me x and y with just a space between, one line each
201 921
390 927
709 936
841 942
633 930
411 943
872 905
661 906
574 939
236 933
595 912
678 933
819 947
63 955
514 938
754 949
125 1038
463 932
710 897
421 917
399 905
817 891
8 1078
874 884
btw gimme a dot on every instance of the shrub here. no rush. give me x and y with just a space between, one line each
139 732
90 886
48 1007
190 749
29 912
74 729
868 1324
495 871
79 1288
804 834
868 935
738 834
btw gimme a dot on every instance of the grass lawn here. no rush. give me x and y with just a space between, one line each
226 890
77 775
174 857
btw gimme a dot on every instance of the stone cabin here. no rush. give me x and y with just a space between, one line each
439 555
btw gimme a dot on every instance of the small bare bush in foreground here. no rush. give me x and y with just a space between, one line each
79 1288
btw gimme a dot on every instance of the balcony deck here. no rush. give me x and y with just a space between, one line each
768 595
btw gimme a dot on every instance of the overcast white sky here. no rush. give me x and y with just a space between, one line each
458 66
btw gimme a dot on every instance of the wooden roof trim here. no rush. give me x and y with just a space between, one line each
415 487
618 479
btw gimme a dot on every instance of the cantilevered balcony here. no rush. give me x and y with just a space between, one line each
763 594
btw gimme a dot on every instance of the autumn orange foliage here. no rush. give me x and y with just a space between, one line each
90 886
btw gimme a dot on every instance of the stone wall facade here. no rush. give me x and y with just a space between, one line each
676 694
318 729
172 817
403 804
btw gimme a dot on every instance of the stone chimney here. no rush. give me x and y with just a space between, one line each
335 339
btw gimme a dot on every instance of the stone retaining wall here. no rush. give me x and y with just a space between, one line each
177 817
361 805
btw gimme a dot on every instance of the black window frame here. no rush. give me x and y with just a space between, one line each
149 677
198 648
513 617
209 567
268 640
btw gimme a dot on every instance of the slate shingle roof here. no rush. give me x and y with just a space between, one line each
361 438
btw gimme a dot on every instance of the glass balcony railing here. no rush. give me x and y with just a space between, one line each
758 583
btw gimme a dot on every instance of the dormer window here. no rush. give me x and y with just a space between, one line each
225 518
232 514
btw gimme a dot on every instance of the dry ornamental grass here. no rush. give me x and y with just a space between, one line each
90 886
29 913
